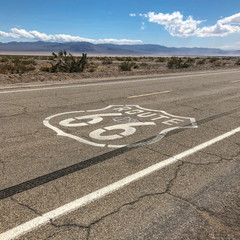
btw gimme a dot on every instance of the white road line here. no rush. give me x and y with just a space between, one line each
69 207
111 83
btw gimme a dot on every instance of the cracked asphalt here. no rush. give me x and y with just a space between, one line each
197 197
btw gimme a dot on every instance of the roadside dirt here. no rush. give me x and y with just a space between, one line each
106 67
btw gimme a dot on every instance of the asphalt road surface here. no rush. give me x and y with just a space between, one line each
138 158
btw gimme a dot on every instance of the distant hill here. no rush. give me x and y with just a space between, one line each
111 49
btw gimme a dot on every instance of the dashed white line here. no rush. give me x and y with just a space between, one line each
69 207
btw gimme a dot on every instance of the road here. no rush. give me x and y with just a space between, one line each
139 158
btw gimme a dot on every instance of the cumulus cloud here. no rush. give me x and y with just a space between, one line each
132 15
23 34
217 30
176 25
234 19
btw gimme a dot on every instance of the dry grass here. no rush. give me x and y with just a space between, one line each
14 69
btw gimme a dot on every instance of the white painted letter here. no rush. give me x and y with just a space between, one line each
129 129
96 118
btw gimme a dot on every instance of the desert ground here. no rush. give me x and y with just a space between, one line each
27 69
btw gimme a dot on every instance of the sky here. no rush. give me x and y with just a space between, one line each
171 23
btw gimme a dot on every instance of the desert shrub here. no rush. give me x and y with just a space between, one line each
129 59
190 61
21 68
126 66
151 58
121 59
213 59
176 63
160 59
237 62
45 69
91 70
42 57
143 64
15 59
4 59
63 62
29 62
15 66
5 68
107 61
185 65
201 61
217 64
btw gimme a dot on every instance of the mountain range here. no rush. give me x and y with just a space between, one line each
112 49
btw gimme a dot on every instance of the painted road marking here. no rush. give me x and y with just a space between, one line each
235 81
101 125
129 129
148 94
112 83
96 118
69 207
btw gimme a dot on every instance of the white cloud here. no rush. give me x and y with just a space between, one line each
143 15
22 33
234 19
143 26
132 15
217 30
4 34
176 25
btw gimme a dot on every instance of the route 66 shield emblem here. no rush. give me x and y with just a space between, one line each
117 126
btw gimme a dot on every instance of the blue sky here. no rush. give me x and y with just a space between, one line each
179 23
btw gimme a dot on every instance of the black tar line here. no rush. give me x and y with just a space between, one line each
35 182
